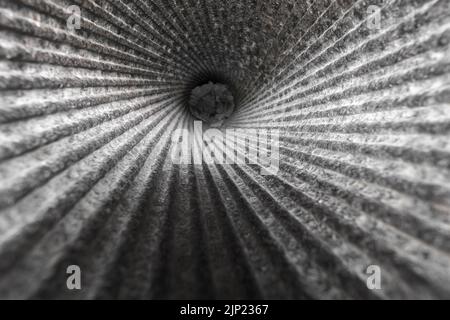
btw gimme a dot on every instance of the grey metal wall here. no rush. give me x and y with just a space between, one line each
362 101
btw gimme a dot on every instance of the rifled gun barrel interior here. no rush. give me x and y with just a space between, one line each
205 149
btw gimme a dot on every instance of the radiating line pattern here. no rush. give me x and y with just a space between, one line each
87 119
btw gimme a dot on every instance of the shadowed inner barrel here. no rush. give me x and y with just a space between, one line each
212 103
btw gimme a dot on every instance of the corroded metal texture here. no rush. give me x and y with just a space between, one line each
359 91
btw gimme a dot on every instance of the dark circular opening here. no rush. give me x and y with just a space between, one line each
212 103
